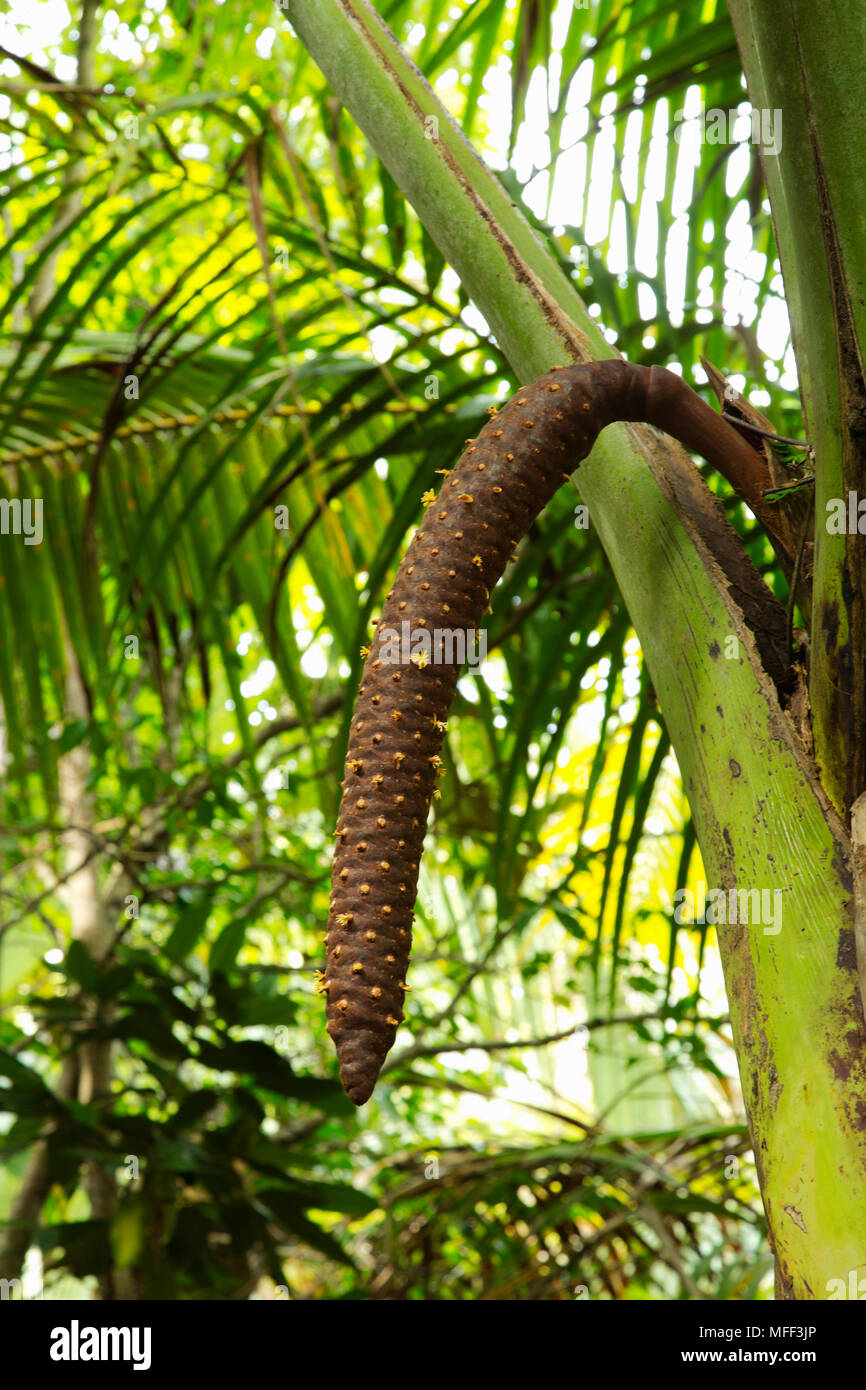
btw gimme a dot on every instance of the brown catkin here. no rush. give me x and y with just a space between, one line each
485 506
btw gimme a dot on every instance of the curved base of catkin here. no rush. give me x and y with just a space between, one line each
485 506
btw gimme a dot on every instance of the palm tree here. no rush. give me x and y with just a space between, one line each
192 278
773 808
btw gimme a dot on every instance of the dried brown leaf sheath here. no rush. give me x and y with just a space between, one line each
485 506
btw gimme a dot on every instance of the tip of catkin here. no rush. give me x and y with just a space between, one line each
360 1094
360 1063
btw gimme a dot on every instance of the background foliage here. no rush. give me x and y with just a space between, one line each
232 361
